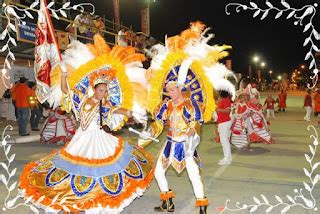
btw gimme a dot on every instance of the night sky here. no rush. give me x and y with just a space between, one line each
278 42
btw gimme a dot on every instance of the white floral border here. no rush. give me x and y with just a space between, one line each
299 199
303 16
8 34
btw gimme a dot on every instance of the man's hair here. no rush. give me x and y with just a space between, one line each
224 94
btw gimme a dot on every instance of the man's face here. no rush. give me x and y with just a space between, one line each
173 91
100 91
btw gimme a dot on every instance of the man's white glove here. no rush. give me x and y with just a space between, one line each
145 135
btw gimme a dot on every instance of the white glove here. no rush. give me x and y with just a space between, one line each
145 135
140 118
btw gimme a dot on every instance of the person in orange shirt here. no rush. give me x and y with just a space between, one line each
36 110
282 101
13 98
316 100
21 92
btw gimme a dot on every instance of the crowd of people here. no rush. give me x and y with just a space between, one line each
242 122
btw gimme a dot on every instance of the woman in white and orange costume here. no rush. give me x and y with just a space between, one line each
95 172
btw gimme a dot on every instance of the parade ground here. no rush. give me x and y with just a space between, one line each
270 170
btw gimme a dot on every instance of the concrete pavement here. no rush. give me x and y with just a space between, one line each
269 169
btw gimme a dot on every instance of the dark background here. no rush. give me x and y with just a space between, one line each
278 42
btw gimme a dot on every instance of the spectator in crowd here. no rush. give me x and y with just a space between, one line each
307 104
282 100
36 109
269 103
121 40
13 98
21 93
71 32
316 100
99 25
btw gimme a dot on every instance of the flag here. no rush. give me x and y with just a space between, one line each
47 54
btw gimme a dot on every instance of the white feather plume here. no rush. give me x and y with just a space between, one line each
76 55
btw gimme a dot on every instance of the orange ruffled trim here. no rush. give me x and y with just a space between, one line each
202 202
96 162
166 195
105 200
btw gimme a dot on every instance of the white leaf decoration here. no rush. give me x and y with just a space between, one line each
65 5
12 56
50 4
12 186
269 209
308 55
9 66
306 172
13 41
12 158
307 27
28 199
264 198
315 142
3 179
285 4
315 165
291 199
41 199
315 180
63 13
4 48
307 158
291 14
311 149
11 202
4 165
312 63
28 14
278 199
34 4
315 34
264 15
3 34
256 200
306 186
284 210
12 27
55 15
8 149
256 13
269 4
254 5
13 172
315 48
35 210
278 14
254 208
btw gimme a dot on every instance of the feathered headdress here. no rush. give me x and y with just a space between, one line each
189 60
90 64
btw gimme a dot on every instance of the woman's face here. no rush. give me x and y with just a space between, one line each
100 91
